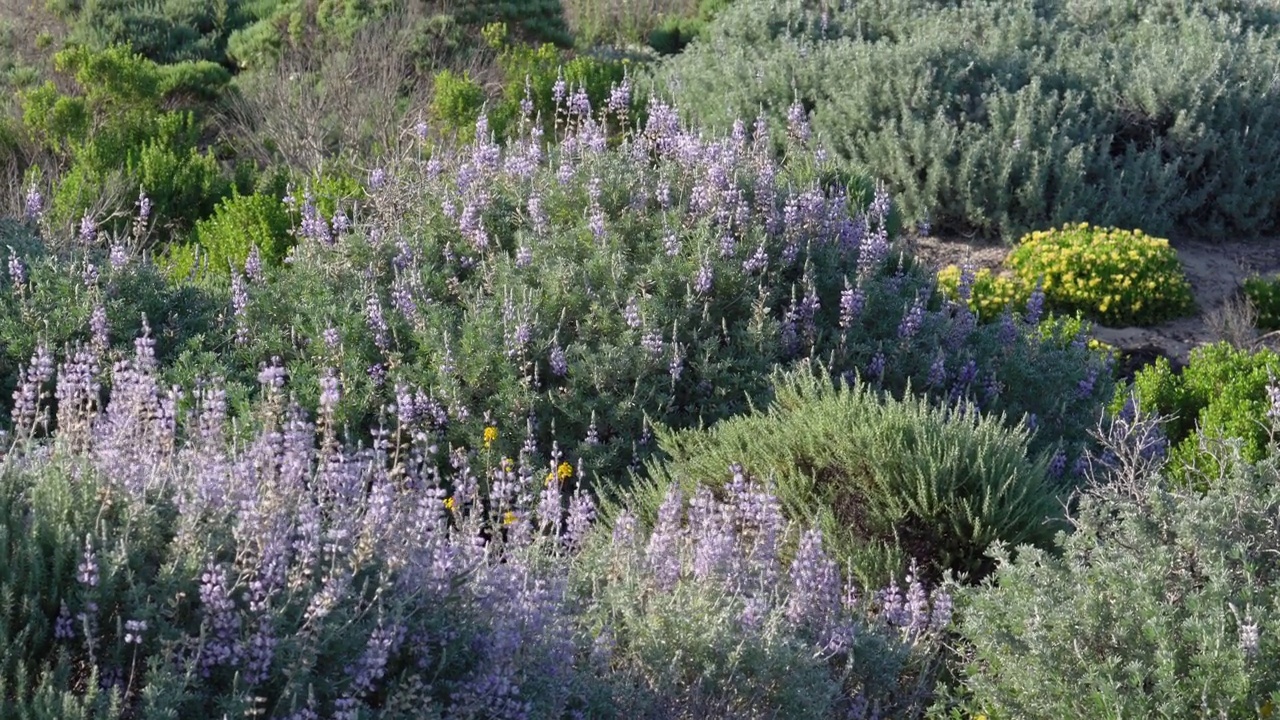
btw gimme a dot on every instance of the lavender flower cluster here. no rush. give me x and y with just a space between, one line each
290 519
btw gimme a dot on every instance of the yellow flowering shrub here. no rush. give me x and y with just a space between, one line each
1114 277
991 292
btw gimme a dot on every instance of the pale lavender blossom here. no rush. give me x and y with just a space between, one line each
87 570
702 283
938 371
631 313
815 583
98 327
1249 637
253 264
88 229
620 97
663 551
376 322
558 362
582 512
798 122
119 256
675 368
239 307
17 270
911 321
876 367
33 207
133 631
1035 304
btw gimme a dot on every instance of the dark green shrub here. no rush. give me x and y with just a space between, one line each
1161 603
167 31
673 34
888 481
1008 116
198 80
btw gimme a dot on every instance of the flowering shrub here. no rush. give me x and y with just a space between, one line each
55 297
601 288
890 483
990 293
1114 277
1162 602
172 565
725 609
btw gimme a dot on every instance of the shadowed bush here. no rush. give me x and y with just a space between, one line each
1008 116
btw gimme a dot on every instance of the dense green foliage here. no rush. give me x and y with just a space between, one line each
1223 393
1160 603
315 373
889 483
530 77
115 135
241 223
1013 115
1264 295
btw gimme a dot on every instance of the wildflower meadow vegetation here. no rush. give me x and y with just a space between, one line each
403 360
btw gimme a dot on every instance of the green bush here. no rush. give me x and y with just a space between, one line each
887 481
1222 393
240 223
1009 116
115 129
534 71
1264 295
1160 603
55 305
456 103
673 34
166 32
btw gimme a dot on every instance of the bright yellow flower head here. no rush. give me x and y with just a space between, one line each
563 472
449 504
490 434
509 518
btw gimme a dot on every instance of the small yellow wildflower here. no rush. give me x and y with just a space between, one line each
509 518
490 434
564 472
449 504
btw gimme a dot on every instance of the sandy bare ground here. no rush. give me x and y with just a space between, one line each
1216 272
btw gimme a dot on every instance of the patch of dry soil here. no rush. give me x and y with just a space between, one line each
1216 272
